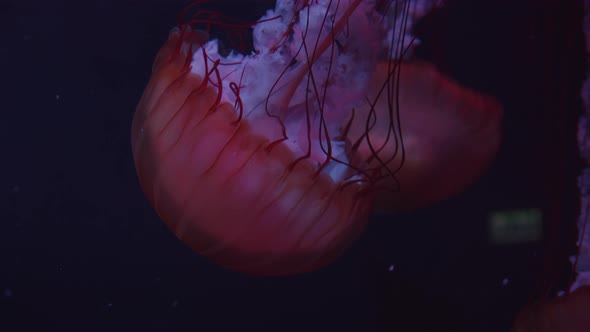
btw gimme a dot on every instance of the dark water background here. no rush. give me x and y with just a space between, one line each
81 249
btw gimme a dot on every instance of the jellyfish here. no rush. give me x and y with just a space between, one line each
569 309
270 163
563 314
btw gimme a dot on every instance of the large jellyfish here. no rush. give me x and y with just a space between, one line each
270 163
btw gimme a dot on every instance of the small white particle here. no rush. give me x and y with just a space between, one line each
174 303
109 304
57 96
8 293
391 268
505 281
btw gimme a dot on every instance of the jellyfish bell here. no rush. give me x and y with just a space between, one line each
449 135
270 163
564 314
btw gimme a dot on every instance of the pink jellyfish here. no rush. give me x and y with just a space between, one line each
270 163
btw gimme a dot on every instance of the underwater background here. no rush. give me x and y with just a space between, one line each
82 250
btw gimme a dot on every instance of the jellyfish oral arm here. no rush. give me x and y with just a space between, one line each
581 261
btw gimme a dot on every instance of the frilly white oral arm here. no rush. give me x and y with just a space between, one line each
582 261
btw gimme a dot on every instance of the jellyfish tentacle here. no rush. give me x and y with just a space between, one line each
450 135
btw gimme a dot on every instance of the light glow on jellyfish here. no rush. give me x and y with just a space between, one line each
270 163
